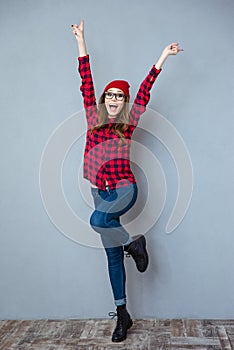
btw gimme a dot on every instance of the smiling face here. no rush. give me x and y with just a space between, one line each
113 105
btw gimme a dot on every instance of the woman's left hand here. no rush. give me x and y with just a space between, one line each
172 49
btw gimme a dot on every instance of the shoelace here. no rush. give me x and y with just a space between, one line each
112 314
127 255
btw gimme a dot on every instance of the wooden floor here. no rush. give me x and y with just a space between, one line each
96 335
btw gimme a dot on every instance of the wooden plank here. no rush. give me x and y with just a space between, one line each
160 341
224 339
177 328
195 341
193 328
2 323
11 332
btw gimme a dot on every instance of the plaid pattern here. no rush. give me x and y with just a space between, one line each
105 157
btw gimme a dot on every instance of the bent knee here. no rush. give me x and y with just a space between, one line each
97 220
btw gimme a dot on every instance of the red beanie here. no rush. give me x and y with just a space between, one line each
119 84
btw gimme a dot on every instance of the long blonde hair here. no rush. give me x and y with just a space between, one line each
122 120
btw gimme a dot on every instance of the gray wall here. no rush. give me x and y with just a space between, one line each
44 274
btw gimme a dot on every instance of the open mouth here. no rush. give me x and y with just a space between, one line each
113 107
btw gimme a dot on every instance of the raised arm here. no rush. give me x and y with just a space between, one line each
87 87
143 95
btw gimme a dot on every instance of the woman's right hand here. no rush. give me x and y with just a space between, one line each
78 30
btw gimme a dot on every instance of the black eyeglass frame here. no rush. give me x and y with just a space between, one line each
119 96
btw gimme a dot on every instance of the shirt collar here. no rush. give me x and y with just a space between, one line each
111 120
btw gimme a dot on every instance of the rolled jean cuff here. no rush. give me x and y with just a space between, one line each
120 302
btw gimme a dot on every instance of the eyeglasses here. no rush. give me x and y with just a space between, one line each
119 96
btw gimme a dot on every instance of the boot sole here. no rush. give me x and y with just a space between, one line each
142 241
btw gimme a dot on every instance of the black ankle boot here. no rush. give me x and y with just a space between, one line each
124 322
137 249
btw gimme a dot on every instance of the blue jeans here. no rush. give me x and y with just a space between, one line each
109 206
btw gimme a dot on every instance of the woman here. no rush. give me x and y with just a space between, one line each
107 167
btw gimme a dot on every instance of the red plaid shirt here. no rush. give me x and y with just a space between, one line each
105 158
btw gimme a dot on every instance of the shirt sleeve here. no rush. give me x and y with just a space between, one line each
143 96
87 89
